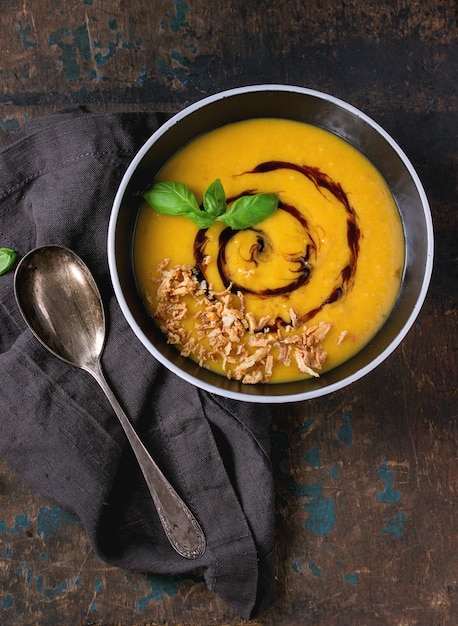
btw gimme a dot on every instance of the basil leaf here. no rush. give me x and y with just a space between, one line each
215 199
7 258
170 198
247 211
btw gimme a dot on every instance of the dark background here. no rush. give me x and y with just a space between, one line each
367 478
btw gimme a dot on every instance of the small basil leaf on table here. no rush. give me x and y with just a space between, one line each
7 258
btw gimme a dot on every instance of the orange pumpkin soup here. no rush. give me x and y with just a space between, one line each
294 295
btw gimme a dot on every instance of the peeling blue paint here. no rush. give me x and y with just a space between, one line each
316 571
160 585
71 43
143 76
25 32
305 425
7 601
10 125
389 495
130 45
8 552
112 47
312 457
296 566
194 71
21 523
190 46
94 75
335 472
97 587
76 43
322 518
395 526
352 578
50 594
345 432
49 520
177 56
170 72
178 21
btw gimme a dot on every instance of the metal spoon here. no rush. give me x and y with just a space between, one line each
61 304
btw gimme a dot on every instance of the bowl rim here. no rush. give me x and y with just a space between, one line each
259 398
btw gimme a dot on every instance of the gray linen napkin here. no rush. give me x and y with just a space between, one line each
56 428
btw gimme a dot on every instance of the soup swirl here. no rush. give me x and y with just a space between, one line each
328 262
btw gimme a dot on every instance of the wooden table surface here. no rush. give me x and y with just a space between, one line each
366 479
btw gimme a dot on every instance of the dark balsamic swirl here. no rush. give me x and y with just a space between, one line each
303 262
256 254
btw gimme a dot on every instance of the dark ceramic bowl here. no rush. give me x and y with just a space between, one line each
303 105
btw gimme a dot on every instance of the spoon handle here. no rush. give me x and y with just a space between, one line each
180 526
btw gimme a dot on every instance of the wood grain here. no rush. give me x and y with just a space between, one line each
366 479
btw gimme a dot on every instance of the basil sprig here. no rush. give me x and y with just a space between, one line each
170 198
7 258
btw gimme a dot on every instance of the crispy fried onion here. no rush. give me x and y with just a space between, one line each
224 331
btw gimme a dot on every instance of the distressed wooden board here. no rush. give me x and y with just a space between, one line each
366 479
113 53
366 526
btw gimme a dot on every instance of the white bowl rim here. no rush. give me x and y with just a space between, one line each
270 399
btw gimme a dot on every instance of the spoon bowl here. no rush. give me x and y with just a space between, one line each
60 302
